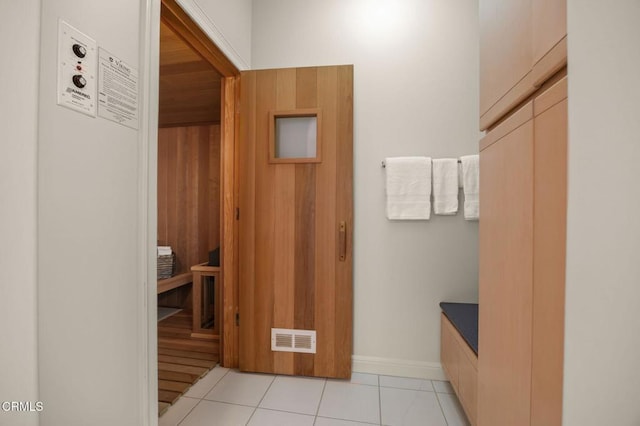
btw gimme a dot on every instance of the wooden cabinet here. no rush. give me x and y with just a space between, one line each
506 258
522 43
548 26
461 366
505 47
521 269
549 253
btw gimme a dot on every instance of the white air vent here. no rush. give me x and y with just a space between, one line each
289 340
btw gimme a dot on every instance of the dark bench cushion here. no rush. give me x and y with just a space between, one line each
464 317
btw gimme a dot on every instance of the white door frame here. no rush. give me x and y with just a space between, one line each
147 210
148 184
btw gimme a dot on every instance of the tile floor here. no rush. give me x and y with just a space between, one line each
227 397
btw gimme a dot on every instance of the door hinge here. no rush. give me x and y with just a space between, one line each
237 213
237 318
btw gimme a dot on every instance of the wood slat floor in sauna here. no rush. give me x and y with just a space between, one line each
182 360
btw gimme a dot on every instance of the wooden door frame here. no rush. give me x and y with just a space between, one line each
182 24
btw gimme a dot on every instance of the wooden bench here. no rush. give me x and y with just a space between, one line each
174 282
199 272
459 353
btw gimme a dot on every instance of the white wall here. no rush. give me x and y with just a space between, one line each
416 93
602 347
18 118
227 23
88 237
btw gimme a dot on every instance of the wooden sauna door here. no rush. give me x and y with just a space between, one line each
296 222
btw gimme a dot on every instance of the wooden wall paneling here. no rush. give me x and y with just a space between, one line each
189 85
247 227
549 253
163 170
188 190
213 187
326 225
190 209
179 225
344 212
172 188
505 278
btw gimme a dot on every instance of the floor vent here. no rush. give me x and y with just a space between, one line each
289 340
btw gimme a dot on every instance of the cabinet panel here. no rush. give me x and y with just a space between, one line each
505 278
549 263
505 47
449 353
468 389
549 25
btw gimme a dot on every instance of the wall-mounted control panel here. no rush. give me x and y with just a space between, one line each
77 70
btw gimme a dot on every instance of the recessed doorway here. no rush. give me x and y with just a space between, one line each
195 189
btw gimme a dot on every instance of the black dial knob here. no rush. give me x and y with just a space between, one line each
79 81
79 50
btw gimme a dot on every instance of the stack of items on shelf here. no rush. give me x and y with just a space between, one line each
165 262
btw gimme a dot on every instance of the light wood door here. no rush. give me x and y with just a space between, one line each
296 221
505 279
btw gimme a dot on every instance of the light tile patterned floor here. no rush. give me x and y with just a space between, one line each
228 398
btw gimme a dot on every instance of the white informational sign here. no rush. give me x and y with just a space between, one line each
117 90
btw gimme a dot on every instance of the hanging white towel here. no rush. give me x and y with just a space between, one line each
445 186
408 188
471 186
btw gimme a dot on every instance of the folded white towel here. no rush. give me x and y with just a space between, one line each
445 186
471 185
408 188
164 251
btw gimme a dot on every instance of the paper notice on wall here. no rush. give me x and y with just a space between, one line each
117 90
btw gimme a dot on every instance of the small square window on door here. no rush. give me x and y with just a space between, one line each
294 136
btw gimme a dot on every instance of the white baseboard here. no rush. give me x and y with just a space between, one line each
398 367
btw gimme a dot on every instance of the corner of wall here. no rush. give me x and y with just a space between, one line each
398 367
211 29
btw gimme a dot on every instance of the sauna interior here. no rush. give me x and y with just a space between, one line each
188 215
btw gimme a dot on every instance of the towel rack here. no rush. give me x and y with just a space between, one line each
384 165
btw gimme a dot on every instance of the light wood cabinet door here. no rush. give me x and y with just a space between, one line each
505 47
505 278
549 252
549 25
468 388
449 353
